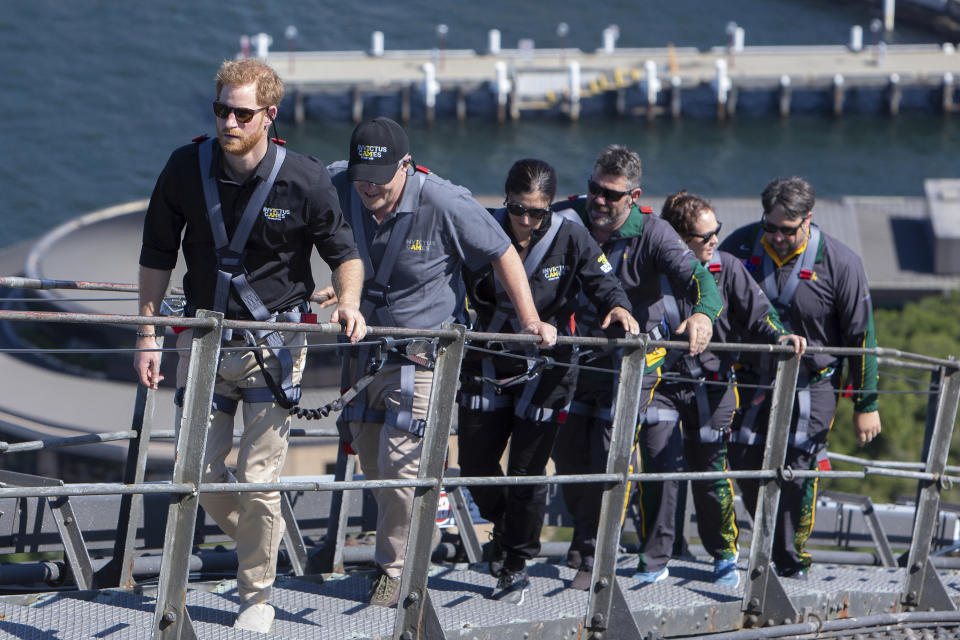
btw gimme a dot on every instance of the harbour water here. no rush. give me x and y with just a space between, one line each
95 95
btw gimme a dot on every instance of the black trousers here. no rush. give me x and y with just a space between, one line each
583 446
516 511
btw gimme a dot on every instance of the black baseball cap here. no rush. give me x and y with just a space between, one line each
376 148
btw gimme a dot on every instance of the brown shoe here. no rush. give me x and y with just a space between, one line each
385 591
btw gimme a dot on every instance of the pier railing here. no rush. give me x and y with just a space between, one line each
764 599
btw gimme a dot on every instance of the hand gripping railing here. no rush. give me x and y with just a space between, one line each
607 616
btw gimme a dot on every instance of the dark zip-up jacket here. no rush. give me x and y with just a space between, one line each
831 306
747 314
574 263
653 248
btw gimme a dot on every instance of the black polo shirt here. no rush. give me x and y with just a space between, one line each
301 211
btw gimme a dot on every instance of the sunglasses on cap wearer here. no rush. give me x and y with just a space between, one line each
242 114
784 230
519 210
610 195
705 237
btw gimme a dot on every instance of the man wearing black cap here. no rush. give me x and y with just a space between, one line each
415 231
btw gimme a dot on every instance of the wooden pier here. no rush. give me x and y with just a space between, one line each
651 83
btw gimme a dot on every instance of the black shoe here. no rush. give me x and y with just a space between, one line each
582 580
574 558
796 574
494 554
511 587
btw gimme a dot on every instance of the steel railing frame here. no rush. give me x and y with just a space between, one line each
764 598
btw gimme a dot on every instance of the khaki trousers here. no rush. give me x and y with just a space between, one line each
252 519
387 453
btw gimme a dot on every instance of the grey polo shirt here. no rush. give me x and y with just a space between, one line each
447 230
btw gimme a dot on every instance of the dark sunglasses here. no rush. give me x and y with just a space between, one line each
242 114
602 192
705 237
772 228
518 210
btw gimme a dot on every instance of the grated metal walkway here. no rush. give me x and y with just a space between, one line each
685 604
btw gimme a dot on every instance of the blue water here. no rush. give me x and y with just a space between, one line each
94 96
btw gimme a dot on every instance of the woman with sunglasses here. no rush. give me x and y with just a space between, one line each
524 399
700 391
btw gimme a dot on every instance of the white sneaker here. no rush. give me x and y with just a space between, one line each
256 617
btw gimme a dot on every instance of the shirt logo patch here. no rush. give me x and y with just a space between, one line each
276 215
605 265
370 151
554 272
419 245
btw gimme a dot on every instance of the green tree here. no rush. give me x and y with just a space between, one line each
929 327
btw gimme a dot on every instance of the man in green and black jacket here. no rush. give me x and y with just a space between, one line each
819 288
639 248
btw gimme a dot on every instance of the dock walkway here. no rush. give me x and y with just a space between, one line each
516 81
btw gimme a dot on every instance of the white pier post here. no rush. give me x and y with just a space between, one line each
838 95
723 88
261 42
889 9
675 104
948 106
493 42
785 95
356 105
430 89
610 36
739 35
573 78
653 87
502 88
563 29
856 38
895 94
291 34
376 44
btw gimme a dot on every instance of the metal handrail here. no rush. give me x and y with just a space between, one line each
758 602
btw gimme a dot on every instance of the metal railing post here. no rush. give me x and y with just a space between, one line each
416 617
330 557
74 547
922 587
607 607
119 571
171 621
763 597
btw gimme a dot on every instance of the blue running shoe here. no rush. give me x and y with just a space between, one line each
725 572
650 577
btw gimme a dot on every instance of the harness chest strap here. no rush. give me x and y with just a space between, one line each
534 258
671 312
376 288
376 304
747 434
783 298
231 273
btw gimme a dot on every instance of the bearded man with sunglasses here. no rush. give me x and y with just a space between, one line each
416 232
641 249
819 288
249 213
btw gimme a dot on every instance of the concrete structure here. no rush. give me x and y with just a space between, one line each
462 83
